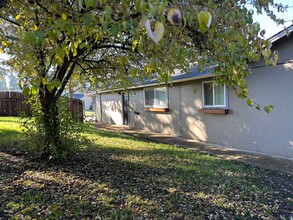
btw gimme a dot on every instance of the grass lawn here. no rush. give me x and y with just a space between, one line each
121 177
89 113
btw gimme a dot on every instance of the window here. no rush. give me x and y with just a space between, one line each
156 97
214 95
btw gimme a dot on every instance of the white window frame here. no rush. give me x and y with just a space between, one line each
156 88
214 106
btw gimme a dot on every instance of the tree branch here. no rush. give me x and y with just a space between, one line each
65 81
10 21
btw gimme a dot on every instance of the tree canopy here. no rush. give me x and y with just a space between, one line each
115 42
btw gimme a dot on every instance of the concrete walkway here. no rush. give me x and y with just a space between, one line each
264 161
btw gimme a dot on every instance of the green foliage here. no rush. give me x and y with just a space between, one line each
94 34
70 130
268 109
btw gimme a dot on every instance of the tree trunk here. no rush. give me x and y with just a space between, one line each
51 128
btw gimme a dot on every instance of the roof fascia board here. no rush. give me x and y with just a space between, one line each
281 34
158 84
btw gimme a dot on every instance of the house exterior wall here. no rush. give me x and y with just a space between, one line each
109 108
88 102
244 127
98 107
162 122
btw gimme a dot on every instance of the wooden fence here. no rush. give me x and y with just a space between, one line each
13 104
76 108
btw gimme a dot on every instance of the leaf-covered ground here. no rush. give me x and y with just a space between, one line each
120 177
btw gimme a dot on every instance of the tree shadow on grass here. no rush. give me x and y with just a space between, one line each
9 138
149 182
77 192
106 134
179 183
93 130
8 132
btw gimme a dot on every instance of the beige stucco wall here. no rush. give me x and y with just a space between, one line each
109 108
244 127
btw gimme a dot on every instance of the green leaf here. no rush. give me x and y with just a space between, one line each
189 54
134 45
165 77
257 107
125 25
249 102
179 52
137 4
159 30
56 83
115 29
108 12
275 57
39 36
151 10
142 5
45 81
87 19
89 3
53 35
262 33
150 32
268 109
205 19
29 37
143 20
266 52
17 17
133 72
34 90
50 87
26 91
195 91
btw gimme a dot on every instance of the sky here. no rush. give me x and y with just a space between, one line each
271 27
265 22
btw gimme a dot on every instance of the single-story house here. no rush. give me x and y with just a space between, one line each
214 114
87 100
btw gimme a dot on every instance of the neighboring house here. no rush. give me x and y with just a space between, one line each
214 114
87 100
